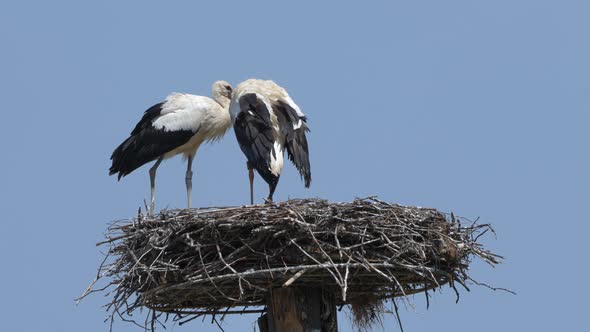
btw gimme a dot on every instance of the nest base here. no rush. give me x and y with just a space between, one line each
207 261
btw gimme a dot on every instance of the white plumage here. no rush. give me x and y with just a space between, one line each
203 116
179 125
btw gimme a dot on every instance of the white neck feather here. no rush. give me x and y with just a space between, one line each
223 101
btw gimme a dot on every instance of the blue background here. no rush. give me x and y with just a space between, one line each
476 107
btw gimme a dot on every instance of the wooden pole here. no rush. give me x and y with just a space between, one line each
299 309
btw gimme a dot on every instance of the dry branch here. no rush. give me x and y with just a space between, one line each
212 260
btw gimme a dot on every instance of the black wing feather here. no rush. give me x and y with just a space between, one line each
295 139
254 133
146 144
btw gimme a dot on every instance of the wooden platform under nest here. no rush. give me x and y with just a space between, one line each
212 260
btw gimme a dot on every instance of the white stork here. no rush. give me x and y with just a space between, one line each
179 125
266 121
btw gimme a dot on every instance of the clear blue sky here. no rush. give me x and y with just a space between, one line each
476 107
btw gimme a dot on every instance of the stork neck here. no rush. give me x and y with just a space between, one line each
223 101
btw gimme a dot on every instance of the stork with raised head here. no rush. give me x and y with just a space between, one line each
266 122
179 125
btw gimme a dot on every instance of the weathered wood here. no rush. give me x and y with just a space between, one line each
300 309
328 314
263 323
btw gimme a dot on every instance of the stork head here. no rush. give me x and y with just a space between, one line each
221 90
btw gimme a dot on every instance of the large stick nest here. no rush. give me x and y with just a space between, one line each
213 259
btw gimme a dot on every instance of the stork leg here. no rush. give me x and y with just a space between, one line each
153 185
251 177
271 190
189 180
